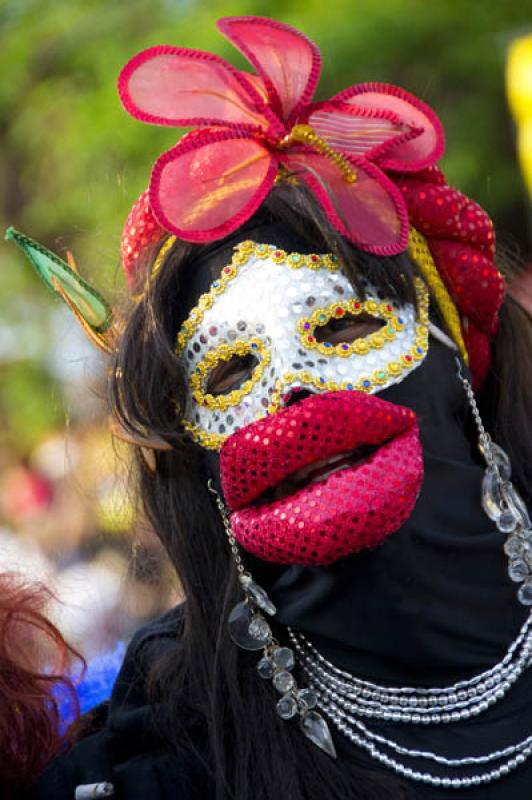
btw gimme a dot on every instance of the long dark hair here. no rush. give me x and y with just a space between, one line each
250 753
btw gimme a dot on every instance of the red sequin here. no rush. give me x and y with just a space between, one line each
140 231
462 242
355 507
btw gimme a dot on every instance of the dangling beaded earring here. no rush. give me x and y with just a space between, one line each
502 502
250 630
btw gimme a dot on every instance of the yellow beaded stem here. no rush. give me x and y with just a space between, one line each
161 255
307 135
421 254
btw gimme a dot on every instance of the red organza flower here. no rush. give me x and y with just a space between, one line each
249 127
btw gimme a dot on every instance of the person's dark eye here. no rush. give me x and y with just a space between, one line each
348 328
229 375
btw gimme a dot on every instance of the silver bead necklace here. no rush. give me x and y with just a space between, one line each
416 705
345 699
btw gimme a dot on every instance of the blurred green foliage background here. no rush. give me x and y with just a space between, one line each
72 161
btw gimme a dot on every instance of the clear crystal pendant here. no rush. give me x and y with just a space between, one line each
240 621
502 502
250 631
265 668
287 707
516 505
499 456
258 595
316 729
518 570
283 658
492 501
525 593
507 522
513 547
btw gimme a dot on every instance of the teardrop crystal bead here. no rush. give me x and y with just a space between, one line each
491 495
316 729
259 596
239 622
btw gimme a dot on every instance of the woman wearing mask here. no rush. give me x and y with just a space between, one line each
315 367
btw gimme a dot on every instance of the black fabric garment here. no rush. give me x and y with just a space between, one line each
433 604
127 751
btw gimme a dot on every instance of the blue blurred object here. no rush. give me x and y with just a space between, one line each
95 686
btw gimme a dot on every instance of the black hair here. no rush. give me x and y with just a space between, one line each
213 686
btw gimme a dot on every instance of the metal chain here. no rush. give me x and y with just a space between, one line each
233 544
483 435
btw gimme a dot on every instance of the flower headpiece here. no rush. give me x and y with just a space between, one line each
368 154
251 128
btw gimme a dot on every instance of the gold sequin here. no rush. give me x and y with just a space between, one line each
224 352
322 316
242 253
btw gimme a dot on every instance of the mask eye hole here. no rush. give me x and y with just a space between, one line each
348 328
229 374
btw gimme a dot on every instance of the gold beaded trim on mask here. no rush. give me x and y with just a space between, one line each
421 254
361 346
210 441
380 376
224 352
214 441
243 252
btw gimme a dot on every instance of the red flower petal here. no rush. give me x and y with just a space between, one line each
359 131
176 86
369 212
416 153
288 62
207 186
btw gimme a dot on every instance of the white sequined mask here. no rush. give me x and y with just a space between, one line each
267 307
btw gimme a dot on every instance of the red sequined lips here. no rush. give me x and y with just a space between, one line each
323 478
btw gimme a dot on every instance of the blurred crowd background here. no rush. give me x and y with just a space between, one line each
71 164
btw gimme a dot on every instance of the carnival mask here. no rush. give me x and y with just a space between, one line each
313 480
